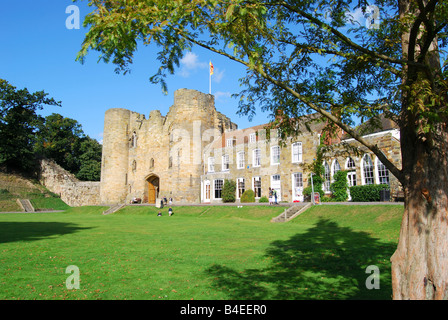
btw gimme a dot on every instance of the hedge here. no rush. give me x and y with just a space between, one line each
248 196
228 191
367 193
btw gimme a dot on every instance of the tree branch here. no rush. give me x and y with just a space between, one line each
347 40
260 70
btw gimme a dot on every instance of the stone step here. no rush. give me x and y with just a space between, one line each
291 213
114 208
26 205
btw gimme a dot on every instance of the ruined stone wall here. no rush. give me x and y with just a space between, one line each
72 191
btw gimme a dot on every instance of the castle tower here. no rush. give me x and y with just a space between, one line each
192 113
114 171
161 156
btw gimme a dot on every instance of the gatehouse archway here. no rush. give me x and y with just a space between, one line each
153 188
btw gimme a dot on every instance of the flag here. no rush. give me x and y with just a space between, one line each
211 68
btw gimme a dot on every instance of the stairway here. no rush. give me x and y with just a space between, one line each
26 205
114 208
291 213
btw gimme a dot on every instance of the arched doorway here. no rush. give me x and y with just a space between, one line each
153 188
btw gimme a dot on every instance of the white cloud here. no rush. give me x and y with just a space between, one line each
217 75
220 95
356 16
190 63
364 18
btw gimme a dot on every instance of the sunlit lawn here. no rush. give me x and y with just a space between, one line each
198 253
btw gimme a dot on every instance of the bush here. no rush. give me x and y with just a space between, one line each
248 196
263 199
228 191
367 193
339 186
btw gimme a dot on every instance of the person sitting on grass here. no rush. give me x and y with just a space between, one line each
159 214
170 211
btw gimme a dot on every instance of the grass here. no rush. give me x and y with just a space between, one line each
15 186
198 253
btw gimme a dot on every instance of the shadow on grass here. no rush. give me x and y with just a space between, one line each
326 262
31 231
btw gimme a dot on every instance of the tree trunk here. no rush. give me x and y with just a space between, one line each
420 263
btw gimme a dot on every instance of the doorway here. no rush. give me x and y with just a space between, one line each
207 192
153 188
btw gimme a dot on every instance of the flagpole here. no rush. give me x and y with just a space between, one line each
210 77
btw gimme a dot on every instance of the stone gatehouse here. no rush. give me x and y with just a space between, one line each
188 153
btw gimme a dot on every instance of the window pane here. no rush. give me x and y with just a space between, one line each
240 160
297 152
257 158
257 187
225 162
327 177
368 170
241 187
275 155
383 173
218 188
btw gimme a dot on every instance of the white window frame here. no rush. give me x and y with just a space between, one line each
211 164
364 169
296 152
297 185
347 162
240 161
351 176
381 172
256 158
327 177
225 166
279 188
335 168
275 155
229 142
252 137
254 179
240 182
215 189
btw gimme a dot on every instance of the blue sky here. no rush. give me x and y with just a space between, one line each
38 52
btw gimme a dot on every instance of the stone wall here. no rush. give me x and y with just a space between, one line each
162 150
72 191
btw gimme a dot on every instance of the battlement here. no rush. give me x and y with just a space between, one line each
140 155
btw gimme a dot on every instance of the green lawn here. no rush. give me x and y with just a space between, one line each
198 253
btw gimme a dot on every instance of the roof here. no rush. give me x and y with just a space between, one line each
310 123
375 124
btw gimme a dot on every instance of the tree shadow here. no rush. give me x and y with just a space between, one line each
327 262
32 231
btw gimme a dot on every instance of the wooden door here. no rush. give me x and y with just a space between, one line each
151 193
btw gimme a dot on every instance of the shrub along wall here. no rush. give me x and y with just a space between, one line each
367 193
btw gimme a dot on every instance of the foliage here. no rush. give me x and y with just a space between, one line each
263 199
90 160
300 56
340 186
248 196
228 191
18 124
318 170
63 140
367 193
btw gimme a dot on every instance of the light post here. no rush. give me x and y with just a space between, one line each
312 189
